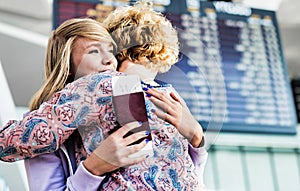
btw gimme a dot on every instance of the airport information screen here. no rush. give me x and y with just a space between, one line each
231 71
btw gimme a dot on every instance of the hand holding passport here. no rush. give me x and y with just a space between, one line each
129 106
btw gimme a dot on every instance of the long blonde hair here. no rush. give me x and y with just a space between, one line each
143 36
58 63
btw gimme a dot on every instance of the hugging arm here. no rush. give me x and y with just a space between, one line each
41 131
53 171
45 130
96 165
112 153
175 111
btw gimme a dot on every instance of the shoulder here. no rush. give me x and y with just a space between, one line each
97 77
93 81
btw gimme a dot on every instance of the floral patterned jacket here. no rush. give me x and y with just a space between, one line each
86 105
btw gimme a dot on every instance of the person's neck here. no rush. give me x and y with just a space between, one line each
146 75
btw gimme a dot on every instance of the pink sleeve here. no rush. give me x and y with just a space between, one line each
41 131
45 129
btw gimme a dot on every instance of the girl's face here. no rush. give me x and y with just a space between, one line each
91 56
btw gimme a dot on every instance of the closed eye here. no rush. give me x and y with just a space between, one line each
94 51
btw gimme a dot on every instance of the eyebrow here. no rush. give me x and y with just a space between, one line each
94 44
99 44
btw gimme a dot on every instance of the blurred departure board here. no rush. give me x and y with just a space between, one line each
231 71
295 83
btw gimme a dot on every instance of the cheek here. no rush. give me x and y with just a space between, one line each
74 65
81 67
77 62
84 66
90 64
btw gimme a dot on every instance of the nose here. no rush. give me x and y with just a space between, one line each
110 60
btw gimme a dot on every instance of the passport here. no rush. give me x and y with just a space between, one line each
129 105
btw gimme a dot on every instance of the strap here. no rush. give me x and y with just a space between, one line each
64 149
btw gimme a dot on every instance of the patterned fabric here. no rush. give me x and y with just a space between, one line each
46 129
171 167
86 105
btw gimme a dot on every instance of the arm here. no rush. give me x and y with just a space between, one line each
51 172
45 129
175 111
199 157
111 154
54 172
41 131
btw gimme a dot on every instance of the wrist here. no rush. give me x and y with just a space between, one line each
197 139
96 165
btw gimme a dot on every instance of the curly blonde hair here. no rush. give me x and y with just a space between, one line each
143 36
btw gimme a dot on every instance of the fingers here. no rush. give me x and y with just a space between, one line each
173 108
174 96
168 102
116 150
120 133
172 119
160 104
163 96
170 106
128 127
133 160
128 155
132 149
132 154
162 115
135 137
162 100
171 97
